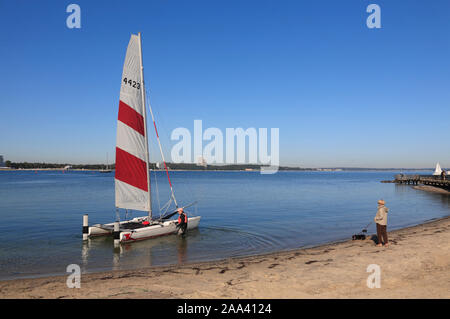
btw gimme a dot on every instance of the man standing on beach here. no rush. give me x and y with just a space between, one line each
381 221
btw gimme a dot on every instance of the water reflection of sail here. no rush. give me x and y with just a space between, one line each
142 254
128 256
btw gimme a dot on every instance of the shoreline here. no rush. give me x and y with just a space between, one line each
332 270
432 189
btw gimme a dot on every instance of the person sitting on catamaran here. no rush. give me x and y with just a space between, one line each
182 220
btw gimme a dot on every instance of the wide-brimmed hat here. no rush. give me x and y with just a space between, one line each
381 202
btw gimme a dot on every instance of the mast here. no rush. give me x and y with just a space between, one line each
145 128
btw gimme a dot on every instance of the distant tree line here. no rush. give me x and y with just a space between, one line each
170 166
26 165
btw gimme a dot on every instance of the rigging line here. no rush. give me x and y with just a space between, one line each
162 209
166 207
162 154
162 131
162 128
157 192
187 188
163 134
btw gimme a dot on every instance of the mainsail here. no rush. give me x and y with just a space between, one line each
438 170
131 176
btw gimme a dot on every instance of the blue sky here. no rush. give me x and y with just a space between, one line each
340 93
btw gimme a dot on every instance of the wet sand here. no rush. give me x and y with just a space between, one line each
416 265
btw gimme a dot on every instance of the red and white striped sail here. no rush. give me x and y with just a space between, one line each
131 177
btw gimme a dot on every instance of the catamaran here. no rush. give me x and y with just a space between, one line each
132 176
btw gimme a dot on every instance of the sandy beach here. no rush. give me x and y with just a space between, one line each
416 265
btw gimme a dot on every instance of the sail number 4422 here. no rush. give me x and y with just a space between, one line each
132 83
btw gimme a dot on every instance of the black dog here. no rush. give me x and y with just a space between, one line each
359 237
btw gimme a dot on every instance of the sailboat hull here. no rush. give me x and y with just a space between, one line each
161 229
165 228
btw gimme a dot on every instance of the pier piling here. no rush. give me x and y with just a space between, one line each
85 227
430 180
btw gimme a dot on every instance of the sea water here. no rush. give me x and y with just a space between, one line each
243 213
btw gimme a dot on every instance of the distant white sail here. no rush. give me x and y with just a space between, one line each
131 176
438 170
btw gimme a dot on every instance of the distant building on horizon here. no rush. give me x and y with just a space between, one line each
201 161
2 163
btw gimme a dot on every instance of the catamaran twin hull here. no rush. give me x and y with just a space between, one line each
133 230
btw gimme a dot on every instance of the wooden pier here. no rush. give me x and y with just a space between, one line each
430 180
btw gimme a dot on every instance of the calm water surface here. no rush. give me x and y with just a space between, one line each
243 213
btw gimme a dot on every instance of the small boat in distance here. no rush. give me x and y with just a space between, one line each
132 176
438 170
106 170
